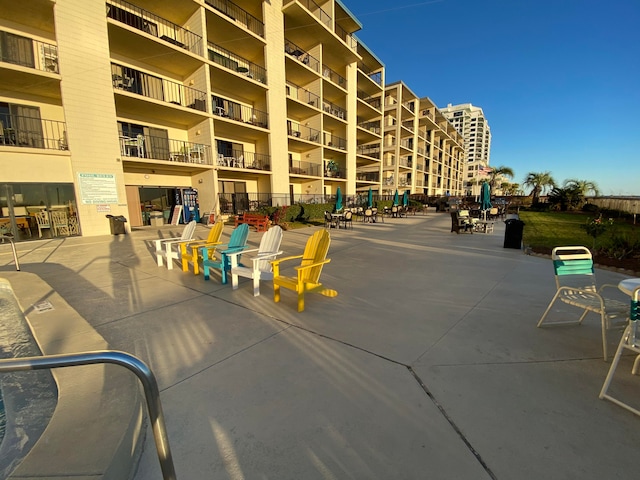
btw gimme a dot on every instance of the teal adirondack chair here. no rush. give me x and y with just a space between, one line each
237 243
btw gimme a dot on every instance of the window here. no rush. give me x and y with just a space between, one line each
16 49
21 125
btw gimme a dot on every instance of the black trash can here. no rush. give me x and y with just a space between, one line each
513 233
116 223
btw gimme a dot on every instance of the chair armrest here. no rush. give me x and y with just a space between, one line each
264 256
284 259
160 241
306 267
242 252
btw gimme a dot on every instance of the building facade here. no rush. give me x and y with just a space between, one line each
131 108
472 124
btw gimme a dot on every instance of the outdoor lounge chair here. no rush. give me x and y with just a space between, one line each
307 279
237 243
630 341
194 245
576 286
260 268
459 223
164 246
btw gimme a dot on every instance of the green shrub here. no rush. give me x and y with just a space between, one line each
315 211
621 244
590 208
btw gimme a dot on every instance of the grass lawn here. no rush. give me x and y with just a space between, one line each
545 230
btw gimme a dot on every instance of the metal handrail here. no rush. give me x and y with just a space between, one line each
13 248
137 366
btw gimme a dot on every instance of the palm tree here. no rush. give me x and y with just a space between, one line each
500 171
583 187
538 182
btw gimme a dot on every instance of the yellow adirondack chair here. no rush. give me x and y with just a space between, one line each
212 239
308 278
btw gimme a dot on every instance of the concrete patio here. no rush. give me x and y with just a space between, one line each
428 364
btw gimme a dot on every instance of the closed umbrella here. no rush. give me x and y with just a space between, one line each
485 198
405 198
395 199
338 200
370 198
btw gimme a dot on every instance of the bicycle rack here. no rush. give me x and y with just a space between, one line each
137 366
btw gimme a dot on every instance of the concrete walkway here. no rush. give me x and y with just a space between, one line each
427 365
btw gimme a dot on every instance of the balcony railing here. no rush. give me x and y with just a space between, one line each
297 167
242 159
427 113
334 76
373 127
27 52
369 72
375 102
134 81
408 125
369 151
409 106
318 12
303 132
347 38
405 162
368 177
241 113
334 142
234 12
301 55
162 148
334 110
230 60
29 132
154 25
303 95
235 203
406 143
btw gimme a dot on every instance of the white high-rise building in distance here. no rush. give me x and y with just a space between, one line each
473 126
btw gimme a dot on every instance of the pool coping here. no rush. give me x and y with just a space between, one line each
98 405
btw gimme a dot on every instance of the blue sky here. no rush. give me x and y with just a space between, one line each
558 80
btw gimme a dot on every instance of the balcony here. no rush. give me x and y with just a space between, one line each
374 102
27 52
368 177
317 12
373 127
244 160
301 56
334 110
297 167
334 77
134 81
227 59
143 20
302 95
369 151
161 148
302 132
408 125
237 14
334 142
347 38
28 132
241 113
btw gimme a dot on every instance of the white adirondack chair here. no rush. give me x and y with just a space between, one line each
260 268
164 246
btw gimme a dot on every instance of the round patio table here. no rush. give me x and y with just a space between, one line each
629 285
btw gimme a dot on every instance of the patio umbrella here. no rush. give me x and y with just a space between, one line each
370 198
395 198
338 200
405 198
485 198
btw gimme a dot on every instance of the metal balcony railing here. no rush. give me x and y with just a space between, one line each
234 62
297 167
234 203
368 176
302 95
28 132
294 129
376 77
405 162
334 76
243 159
409 106
408 125
317 11
373 127
134 81
347 38
241 113
154 25
239 15
369 151
334 110
162 148
301 55
27 52
375 102
334 142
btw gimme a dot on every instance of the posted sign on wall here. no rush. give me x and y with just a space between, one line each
98 188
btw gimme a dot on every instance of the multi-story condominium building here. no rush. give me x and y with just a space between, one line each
472 124
131 107
422 152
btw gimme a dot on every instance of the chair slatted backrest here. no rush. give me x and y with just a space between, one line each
314 252
215 233
189 230
270 243
239 236
575 263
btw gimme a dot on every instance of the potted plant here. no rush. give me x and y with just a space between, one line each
331 168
